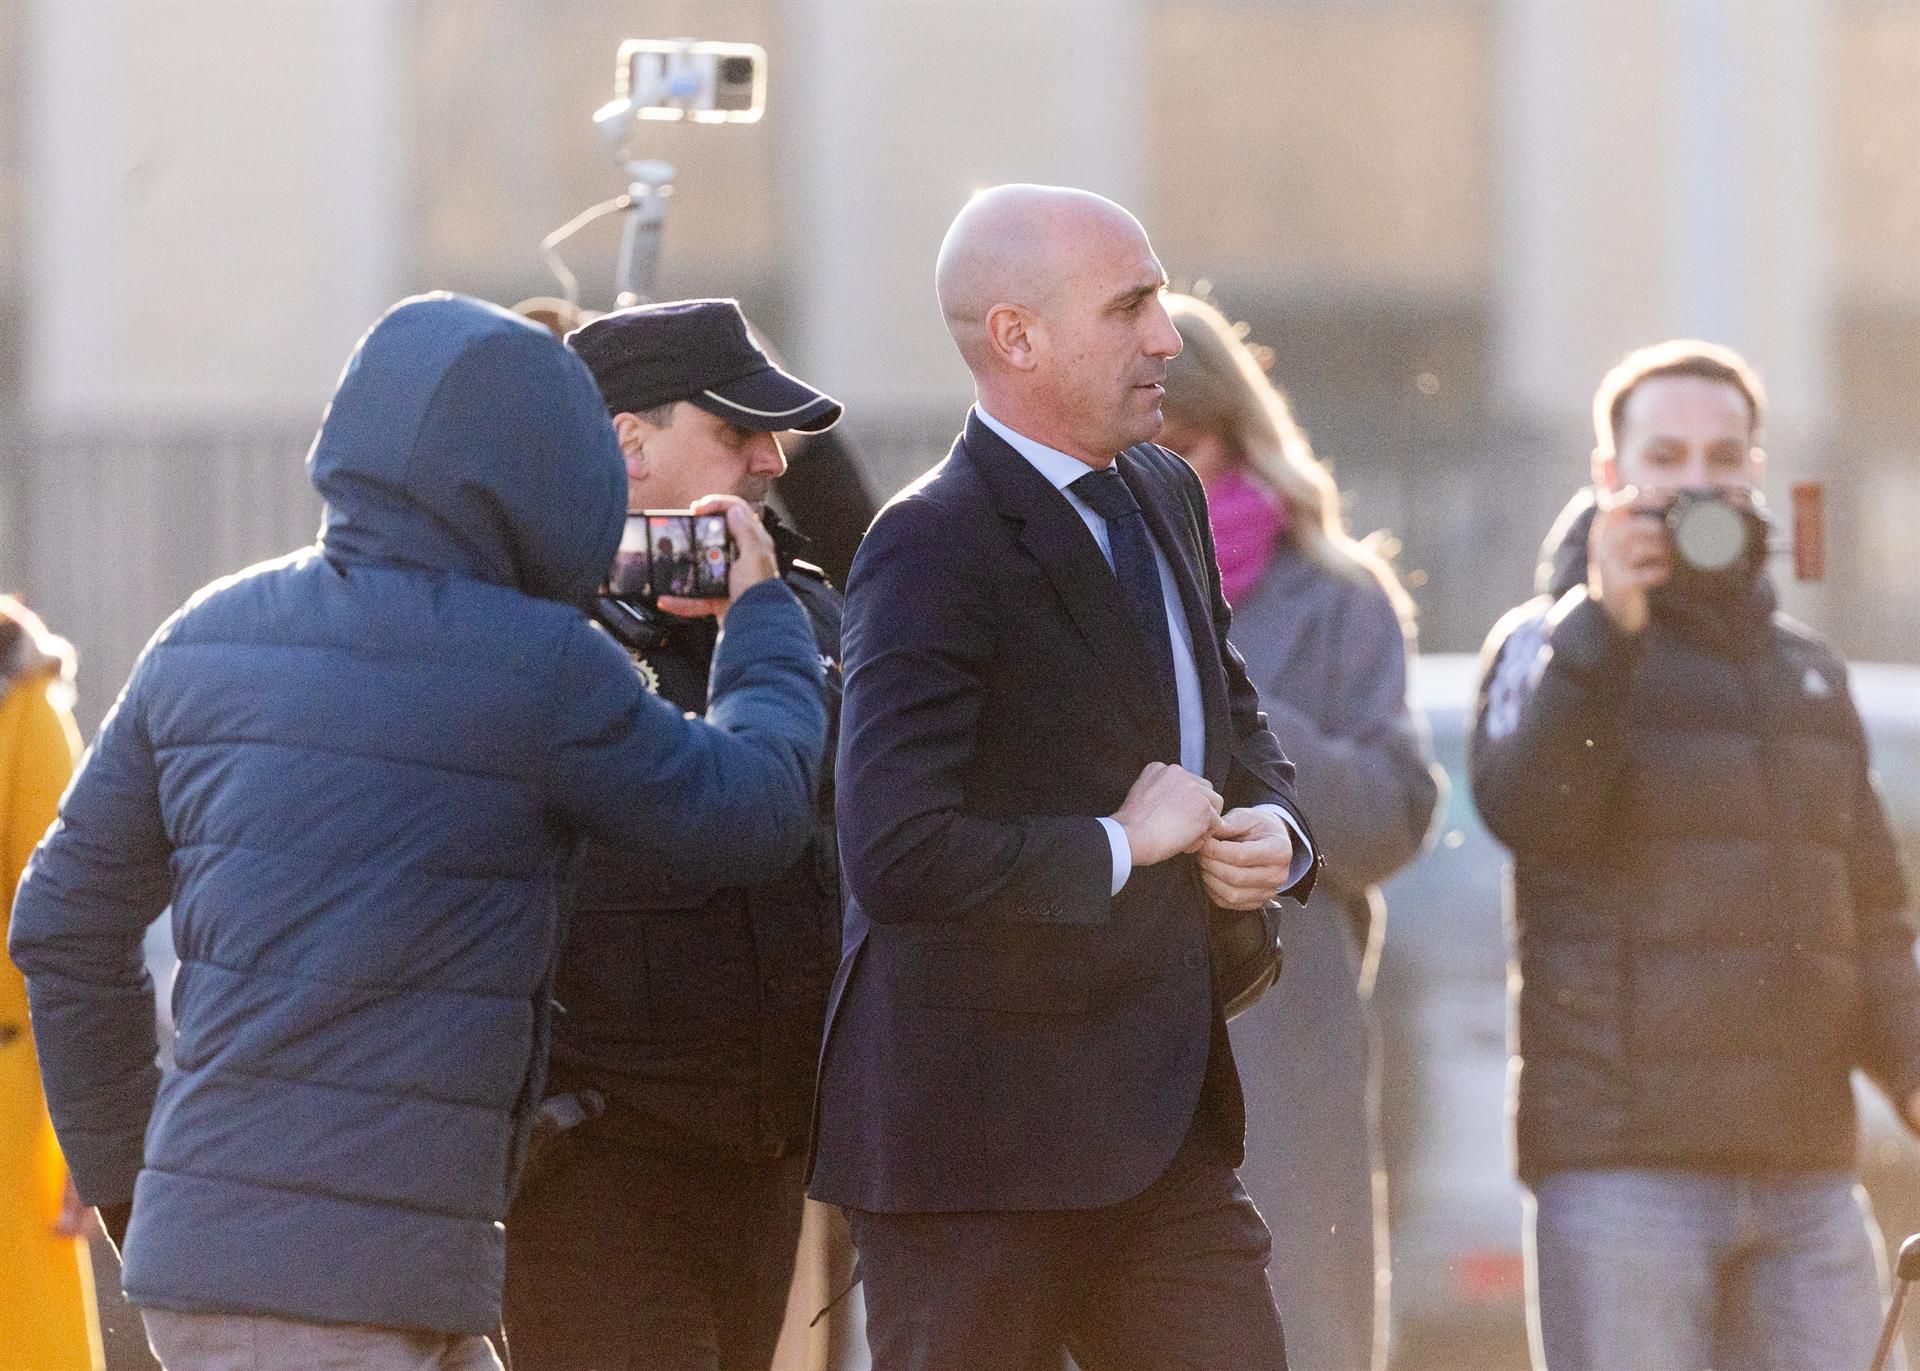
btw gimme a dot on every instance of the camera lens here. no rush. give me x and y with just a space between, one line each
736 71
1709 533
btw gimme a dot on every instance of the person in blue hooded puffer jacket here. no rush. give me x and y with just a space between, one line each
358 774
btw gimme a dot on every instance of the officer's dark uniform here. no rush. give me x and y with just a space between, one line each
661 1230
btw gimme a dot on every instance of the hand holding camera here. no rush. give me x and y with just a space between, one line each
1628 554
1641 541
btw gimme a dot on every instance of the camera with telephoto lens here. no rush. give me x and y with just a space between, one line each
672 552
1716 534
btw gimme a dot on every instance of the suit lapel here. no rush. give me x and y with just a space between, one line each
1170 521
1054 535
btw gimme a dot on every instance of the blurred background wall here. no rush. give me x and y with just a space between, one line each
1445 217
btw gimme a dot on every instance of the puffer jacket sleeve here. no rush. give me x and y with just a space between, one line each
1889 973
1550 725
1369 780
100 877
720 801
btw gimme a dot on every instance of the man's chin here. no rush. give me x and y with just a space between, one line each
1146 428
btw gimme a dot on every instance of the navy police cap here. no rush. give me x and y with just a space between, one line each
698 351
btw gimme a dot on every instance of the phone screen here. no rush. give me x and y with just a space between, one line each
672 552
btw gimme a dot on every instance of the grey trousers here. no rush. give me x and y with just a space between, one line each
1306 1064
257 1342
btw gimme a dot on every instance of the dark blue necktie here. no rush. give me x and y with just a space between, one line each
1135 567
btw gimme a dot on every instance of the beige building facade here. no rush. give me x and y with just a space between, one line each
1445 217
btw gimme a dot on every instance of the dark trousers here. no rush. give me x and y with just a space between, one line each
1172 1280
621 1258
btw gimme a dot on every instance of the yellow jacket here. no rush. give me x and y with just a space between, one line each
47 1320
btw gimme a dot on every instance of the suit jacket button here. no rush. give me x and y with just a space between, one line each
1195 959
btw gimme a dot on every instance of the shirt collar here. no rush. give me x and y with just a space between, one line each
1060 470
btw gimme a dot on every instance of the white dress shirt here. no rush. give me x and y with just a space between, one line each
1061 471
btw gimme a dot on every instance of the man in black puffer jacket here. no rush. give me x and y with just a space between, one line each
1707 917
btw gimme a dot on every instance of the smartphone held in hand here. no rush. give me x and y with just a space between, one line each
673 552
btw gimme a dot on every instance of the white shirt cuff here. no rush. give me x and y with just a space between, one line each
1302 848
1122 853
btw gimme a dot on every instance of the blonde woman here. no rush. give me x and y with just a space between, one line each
1326 629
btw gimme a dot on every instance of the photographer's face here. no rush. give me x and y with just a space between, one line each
694 454
1684 433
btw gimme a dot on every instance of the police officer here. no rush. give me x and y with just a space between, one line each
659 1225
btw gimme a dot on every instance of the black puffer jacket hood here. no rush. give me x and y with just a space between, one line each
1563 556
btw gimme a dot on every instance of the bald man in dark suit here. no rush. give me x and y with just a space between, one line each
1053 774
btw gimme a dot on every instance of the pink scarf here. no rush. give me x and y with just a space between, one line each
1248 520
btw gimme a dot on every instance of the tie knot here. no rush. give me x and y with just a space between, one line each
1105 494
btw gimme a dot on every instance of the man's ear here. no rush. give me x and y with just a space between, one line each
1758 457
1606 469
1010 336
633 432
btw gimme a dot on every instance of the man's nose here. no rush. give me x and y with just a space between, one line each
1164 339
768 459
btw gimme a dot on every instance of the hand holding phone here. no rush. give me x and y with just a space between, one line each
673 552
694 562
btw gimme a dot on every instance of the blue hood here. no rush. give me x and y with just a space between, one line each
463 438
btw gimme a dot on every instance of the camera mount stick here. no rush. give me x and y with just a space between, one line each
645 208
651 182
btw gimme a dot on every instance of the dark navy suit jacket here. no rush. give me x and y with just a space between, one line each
1004 1033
